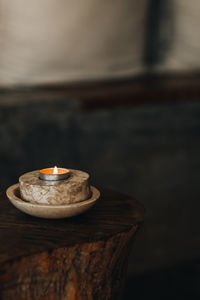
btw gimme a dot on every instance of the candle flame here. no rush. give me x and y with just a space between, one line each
55 170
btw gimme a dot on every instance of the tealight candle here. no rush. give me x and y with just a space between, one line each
54 174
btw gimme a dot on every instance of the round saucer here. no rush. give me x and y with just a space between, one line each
51 211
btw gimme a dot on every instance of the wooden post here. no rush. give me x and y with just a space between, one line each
84 257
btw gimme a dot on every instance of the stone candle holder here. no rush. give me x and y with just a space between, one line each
53 199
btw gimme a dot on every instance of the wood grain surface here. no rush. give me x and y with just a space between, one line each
84 257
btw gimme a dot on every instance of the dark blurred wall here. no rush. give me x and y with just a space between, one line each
149 152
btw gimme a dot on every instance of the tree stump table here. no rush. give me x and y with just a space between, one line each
84 257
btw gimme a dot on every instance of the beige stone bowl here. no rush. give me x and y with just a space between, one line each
51 211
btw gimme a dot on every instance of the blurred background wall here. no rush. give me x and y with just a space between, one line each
48 41
149 151
52 41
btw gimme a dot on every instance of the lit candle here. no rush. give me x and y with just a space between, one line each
54 174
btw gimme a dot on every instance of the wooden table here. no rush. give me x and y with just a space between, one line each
84 257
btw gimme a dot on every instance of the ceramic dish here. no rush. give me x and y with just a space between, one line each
51 211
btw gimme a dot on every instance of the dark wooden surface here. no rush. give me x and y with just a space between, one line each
22 235
81 258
